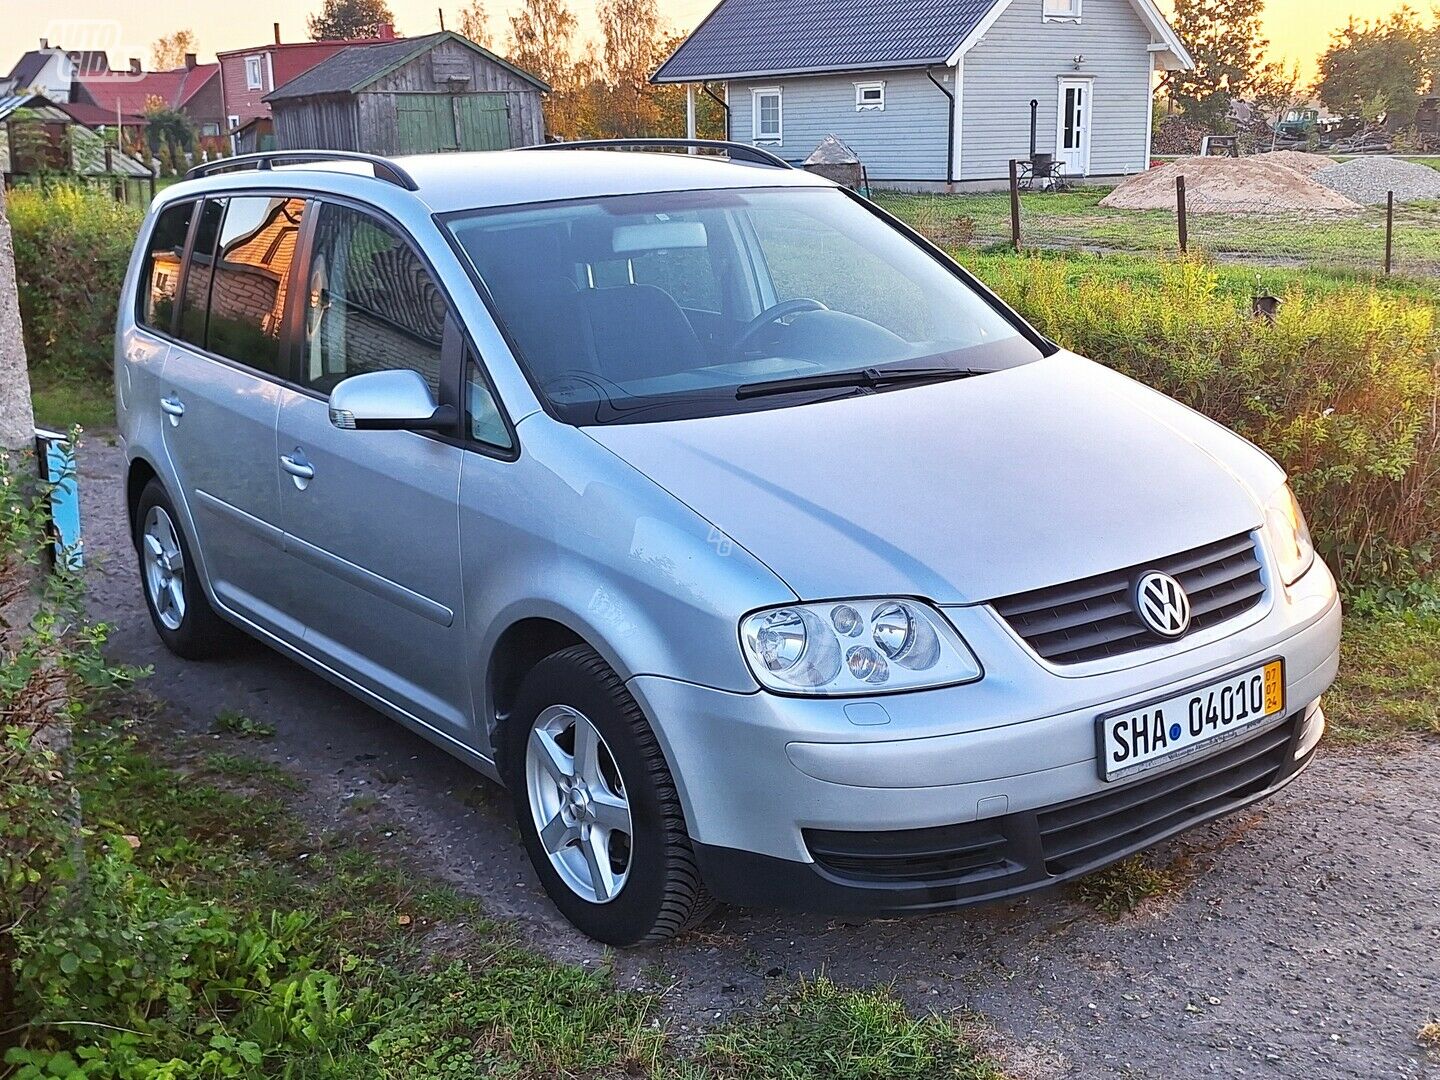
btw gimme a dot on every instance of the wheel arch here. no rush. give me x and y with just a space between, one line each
140 473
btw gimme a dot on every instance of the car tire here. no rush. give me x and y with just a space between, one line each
178 607
576 791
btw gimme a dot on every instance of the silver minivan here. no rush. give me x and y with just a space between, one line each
758 549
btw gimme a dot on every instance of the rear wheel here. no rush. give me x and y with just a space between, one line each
178 607
597 807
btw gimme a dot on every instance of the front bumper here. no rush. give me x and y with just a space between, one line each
775 789
980 861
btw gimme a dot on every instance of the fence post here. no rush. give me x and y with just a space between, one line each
1182 215
1015 204
1389 232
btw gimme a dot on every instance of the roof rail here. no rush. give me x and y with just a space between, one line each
385 169
737 151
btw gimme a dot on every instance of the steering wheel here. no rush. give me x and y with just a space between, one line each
773 314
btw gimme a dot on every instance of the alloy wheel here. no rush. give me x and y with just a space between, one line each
578 804
164 568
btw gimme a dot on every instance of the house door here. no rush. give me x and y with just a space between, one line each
1072 138
482 122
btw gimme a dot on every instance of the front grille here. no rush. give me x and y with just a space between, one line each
950 853
1095 829
1095 618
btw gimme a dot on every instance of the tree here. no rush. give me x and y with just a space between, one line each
1377 69
169 51
671 106
1224 39
542 36
169 132
340 20
632 50
475 23
17 420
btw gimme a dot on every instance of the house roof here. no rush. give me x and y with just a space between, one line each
81 62
755 38
126 94
90 155
351 70
767 37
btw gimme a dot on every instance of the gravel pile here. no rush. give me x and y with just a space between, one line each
1371 179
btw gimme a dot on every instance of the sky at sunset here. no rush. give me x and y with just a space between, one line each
1298 29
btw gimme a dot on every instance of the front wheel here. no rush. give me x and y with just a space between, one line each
597 807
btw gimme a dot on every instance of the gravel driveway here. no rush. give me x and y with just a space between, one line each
1305 941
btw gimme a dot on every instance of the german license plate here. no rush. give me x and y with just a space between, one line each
1148 736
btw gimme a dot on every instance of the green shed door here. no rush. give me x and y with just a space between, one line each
425 123
483 121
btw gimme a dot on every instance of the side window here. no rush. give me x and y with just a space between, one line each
487 425
160 279
370 304
251 276
199 273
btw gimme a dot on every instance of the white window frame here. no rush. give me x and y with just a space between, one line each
874 105
778 136
255 72
1051 11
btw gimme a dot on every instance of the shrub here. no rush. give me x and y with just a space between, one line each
1341 390
72 245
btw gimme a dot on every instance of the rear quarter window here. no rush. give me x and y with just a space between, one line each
160 276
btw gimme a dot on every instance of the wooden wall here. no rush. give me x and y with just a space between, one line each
367 121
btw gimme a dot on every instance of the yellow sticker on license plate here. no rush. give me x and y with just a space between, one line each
1192 722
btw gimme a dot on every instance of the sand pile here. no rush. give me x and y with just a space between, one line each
1251 185
1304 164
1371 179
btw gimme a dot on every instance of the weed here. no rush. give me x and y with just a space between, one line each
231 722
1389 680
1429 1035
1119 889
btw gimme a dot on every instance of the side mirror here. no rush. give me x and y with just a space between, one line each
388 401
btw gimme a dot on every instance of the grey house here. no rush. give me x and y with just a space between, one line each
412 96
933 93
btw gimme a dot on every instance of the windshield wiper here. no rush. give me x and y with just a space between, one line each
868 378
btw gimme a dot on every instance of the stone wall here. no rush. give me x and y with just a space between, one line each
17 420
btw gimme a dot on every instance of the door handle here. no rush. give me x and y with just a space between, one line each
173 407
297 466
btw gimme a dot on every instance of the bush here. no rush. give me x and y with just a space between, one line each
1341 390
72 246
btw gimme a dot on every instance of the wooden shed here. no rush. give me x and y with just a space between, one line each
413 96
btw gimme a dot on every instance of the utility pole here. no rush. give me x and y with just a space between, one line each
17 416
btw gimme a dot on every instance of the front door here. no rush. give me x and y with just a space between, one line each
1072 138
371 518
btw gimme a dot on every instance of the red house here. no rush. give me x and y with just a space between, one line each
121 97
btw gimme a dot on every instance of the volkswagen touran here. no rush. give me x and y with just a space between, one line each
760 551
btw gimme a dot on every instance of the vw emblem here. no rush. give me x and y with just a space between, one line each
1162 605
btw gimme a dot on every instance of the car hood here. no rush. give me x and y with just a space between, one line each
964 491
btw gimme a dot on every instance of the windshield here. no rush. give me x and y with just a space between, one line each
638 308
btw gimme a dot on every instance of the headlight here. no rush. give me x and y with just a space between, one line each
855 647
1289 536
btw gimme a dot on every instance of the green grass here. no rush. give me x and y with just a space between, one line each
334 959
1389 684
1076 220
60 404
